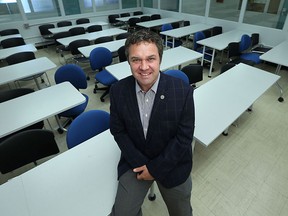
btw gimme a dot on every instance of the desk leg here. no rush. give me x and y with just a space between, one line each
166 42
280 99
211 63
173 43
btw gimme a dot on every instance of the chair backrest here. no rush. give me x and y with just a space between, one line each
61 35
20 57
74 45
82 21
155 16
245 43
178 74
175 25
73 74
94 28
198 36
112 18
103 39
216 30
133 21
121 54
124 14
87 125
9 32
44 29
166 27
123 35
186 23
194 72
12 42
64 23
77 31
254 39
145 18
137 13
26 147
14 93
233 50
100 57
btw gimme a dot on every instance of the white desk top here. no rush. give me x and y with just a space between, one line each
91 36
186 30
25 69
113 46
219 102
77 182
10 36
221 41
85 25
26 110
4 53
158 22
277 54
171 58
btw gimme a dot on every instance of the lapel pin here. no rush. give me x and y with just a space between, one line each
162 97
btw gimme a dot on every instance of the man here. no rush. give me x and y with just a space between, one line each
152 121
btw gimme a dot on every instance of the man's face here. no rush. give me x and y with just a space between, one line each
144 62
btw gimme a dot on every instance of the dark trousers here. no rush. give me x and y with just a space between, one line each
132 192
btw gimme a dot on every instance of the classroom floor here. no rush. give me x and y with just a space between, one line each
242 174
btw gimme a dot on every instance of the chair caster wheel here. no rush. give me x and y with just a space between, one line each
152 198
102 100
94 91
280 99
60 131
225 133
87 78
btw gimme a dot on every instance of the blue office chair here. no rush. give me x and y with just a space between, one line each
76 76
199 48
87 125
178 74
167 27
100 57
244 48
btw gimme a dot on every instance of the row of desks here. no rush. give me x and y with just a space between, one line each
65 185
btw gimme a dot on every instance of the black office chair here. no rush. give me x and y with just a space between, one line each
234 54
155 16
14 93
77 31
145 18
9 32
125 14
44 31
103 39
226 67
113 22
61 49
22 57
194 72
64 23
94 28
121 54
77 57
256 46
122 35
132 24
216 30
12 42
82 21
26 147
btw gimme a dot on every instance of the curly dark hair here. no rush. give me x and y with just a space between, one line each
147 36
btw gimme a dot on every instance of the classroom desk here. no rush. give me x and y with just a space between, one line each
26 110
4 53
91 36
80 181
184 31
277 55
113 46
125 19
171 58
220 42
25 69
10 36
221 101
85 25
158 22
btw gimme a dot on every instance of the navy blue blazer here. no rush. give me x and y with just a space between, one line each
167 149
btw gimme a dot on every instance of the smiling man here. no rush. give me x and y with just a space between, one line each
152 121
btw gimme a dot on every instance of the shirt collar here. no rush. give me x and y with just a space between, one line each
153 88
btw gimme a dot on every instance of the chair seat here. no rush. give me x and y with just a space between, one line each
75 111
255 57
105 78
